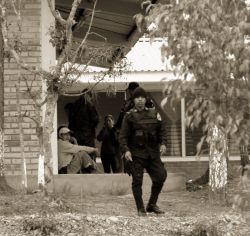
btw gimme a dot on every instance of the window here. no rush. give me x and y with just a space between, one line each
172 118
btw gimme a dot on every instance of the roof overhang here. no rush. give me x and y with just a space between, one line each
113 31
151 81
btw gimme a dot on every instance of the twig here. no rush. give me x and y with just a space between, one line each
56 14
88 31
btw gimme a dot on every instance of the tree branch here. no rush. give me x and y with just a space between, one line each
72 13
90 25
56 14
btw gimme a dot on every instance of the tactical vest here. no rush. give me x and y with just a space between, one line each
144 129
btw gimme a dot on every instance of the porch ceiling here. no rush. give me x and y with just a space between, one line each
113 30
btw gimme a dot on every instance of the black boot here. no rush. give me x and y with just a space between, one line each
137 193
142 212
155 191
139 202
154 209
140 206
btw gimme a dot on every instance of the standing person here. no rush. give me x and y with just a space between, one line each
84 120
142 140
110 146
74 159
129 103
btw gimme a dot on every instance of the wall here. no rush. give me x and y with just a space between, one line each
33 47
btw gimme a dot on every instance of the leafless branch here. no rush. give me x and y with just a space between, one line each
32 96
72 13
26 81
80 47
31 118
91 88
90 26
69 35
56 14
99 35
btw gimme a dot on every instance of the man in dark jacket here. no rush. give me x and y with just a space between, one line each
110 147
84 120
142 140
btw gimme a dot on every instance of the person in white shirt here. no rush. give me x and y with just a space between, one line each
73 158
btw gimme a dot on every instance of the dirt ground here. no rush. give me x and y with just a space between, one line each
187 214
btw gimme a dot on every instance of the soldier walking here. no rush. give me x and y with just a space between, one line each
142 139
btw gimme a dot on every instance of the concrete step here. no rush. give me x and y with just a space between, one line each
111 184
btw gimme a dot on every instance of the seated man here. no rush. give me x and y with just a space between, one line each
74 158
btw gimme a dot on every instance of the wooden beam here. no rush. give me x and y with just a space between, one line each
130 7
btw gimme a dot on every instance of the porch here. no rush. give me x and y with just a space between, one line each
97 184
179 170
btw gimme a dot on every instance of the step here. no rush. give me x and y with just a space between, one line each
111 184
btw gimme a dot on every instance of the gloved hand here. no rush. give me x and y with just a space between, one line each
163 149
128 156
128 163
128 167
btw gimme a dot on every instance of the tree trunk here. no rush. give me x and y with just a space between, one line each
21 135
52 98
218 166
3 184
1 103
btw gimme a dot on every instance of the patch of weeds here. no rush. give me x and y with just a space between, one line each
241 201
205 230
8 211
44 223
200 229
40 225
176 233
58 203
9 208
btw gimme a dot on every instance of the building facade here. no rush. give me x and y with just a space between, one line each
148 70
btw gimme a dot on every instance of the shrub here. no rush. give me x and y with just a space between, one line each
42 225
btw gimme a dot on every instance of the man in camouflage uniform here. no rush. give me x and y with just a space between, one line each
142 139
